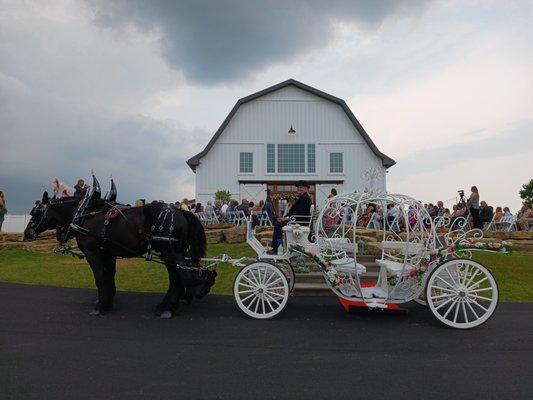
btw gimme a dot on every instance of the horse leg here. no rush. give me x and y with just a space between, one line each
97 266
171 303
109 288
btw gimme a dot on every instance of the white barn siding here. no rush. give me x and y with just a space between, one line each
267 120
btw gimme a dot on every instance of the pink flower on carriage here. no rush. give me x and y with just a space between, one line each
413 273
496 245
311 250
450 249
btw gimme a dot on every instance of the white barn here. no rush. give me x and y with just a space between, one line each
285 133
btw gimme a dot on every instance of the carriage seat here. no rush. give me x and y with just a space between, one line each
395 267
347 265
296 239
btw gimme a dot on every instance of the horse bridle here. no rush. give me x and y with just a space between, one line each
33 229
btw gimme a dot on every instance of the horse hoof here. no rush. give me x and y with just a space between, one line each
95 312
165 315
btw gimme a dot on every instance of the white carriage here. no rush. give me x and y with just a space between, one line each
414 263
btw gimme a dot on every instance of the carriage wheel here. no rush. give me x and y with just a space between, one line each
462 293
261 290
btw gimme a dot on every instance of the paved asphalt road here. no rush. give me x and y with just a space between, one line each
50 348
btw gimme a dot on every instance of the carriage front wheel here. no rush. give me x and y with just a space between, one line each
461 293
261 290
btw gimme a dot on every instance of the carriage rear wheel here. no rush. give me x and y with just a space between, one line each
461 293
261 290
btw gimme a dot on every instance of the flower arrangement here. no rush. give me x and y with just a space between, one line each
471 244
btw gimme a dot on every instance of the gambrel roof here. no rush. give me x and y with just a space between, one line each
193 162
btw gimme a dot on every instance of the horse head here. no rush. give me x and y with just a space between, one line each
50 214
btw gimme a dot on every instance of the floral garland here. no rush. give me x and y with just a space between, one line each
456 248
331 272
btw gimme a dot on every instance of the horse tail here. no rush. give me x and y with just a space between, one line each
196 240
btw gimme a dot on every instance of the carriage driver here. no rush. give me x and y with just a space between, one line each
302 207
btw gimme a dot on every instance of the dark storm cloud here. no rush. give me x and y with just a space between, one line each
54 140
217 41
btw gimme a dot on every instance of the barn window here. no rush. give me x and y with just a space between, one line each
291 158
335 163
311 158
246 162
271 158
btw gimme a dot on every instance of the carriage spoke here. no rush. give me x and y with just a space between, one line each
479 305
263 304
247 297
480 290
443 280
246 285
476 272
479 297
273 299
274 282
478 283
445 289
269 305
456 311
250 304
471 308
453 280
443 304
465 276
269 278
256 305
450 308
464 312
245 291
254 284
443 296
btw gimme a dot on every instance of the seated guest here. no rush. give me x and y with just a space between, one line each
432 210
440 209
209 207
199 208
224 208
525 217
259 206
365 218
185 205
301 207
332 193
498 214
485 213
268 207
506 212
244 206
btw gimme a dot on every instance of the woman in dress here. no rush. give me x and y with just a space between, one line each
3 208
473 207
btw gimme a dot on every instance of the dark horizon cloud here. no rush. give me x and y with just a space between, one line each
214 42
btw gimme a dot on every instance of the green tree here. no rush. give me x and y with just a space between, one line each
223 195
526 193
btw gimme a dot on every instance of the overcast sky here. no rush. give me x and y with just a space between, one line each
134 88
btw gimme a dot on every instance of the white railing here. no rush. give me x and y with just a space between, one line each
15 223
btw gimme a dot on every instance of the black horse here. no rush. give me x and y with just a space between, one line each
106 230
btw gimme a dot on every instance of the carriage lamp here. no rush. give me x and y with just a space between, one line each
291 131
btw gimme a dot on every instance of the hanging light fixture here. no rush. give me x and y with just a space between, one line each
291 131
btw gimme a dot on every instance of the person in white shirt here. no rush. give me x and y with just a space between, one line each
224 208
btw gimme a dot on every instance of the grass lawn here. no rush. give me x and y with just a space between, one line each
514 273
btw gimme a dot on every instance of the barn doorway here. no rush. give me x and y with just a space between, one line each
284 192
